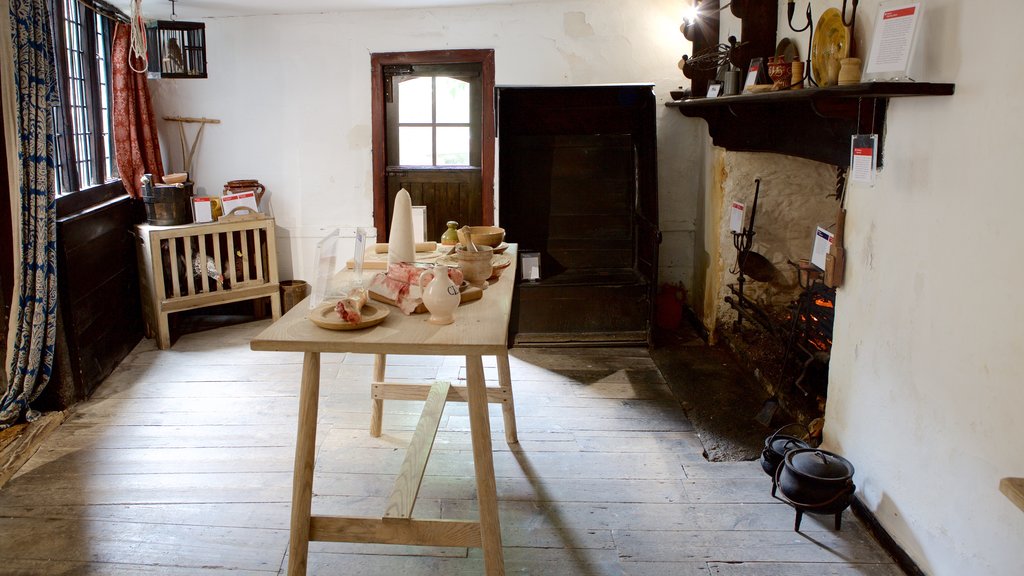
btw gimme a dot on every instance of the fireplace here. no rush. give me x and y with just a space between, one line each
772 307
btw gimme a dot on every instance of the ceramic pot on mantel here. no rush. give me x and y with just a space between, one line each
441 296
780 71
849 72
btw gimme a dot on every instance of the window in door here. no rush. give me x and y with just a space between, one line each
433 121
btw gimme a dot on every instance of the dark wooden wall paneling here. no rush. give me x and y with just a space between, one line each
99 294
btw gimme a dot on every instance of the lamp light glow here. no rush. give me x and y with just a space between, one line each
691 14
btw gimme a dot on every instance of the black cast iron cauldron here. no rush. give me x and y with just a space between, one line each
775 448
815 481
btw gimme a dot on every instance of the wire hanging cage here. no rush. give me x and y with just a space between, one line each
176 49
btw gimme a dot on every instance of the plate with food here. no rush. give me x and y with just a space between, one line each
335 316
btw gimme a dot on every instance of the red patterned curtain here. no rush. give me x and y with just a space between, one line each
136 146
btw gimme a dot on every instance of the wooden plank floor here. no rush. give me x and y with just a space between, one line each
181 465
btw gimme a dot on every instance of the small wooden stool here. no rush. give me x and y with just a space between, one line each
391 391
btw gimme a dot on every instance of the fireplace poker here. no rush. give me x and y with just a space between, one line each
742 241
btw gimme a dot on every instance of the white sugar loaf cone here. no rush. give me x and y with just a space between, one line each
401 246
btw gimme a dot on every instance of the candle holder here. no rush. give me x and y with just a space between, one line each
809 26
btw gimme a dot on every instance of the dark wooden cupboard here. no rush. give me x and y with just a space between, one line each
578 184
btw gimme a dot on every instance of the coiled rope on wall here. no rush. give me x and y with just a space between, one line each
137 48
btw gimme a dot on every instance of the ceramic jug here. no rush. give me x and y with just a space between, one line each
441 296
451 235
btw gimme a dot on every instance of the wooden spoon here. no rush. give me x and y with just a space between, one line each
470 246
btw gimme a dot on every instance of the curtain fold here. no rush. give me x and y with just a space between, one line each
136 144
32 346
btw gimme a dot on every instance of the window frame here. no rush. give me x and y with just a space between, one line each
98 128
435 71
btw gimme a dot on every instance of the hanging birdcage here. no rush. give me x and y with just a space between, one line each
176 49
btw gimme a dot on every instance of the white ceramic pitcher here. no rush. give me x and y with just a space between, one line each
441 296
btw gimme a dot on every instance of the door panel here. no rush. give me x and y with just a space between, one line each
448 195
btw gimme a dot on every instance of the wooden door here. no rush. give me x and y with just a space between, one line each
433 136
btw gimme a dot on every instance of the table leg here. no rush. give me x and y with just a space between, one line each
483 461
305 456
508 409
380 362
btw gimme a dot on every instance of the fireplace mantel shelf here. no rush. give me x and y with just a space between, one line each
814 123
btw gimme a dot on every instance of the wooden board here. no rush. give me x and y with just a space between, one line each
19 449
374 260
469 294
407 485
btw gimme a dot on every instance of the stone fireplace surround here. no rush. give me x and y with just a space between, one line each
796 196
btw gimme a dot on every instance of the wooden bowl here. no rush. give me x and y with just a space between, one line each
176 178
483 236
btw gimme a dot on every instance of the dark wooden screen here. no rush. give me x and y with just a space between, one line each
100 318
578 171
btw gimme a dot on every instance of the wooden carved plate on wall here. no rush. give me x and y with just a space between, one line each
830 45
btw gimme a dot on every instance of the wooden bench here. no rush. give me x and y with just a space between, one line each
175 274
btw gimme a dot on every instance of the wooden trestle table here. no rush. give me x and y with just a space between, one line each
480 329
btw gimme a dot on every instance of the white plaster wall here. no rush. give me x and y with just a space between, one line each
925 389
293 95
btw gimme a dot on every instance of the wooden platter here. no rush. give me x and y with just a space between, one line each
831 44
324 316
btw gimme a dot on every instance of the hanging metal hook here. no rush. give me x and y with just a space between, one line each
851 25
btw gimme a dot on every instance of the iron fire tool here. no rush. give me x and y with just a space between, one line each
742 241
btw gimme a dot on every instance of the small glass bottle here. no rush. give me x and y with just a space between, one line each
451 235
